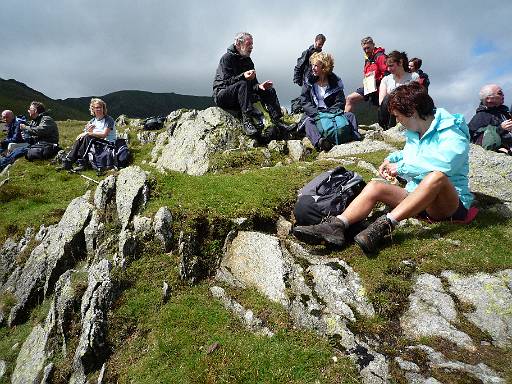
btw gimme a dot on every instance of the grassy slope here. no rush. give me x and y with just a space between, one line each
150 341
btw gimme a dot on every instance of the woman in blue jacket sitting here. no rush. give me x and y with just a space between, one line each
322 91
434 162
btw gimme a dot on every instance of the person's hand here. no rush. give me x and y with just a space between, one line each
89 127
507 125
250 74
383 168
23 126
265 85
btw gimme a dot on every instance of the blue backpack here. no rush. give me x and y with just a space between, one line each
334 126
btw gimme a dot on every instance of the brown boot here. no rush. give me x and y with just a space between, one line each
331 230
370 238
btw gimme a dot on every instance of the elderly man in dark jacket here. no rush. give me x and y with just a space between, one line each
492 114
12 124
236 87
41 128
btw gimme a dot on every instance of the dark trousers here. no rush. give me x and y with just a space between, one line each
386 119
241 95
79 148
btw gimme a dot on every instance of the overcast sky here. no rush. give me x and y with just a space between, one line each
73 48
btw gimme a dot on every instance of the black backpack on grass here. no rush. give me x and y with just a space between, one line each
41 150
328 194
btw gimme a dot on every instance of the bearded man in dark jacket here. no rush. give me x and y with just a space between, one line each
303 68
492 112
236 87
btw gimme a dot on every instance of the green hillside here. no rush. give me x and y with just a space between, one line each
17 96
143 103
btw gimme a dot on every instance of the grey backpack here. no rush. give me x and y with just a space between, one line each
328 194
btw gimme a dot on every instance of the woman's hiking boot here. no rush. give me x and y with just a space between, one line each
324 144
331 230
66 165
370 238
80 167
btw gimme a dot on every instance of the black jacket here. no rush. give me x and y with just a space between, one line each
485 116
334 96
43 128
303 68
231 70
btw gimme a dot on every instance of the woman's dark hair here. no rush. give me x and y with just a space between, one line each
396 56
416 62
411 97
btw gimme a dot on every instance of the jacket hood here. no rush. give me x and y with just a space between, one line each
499 109
444 119
232 49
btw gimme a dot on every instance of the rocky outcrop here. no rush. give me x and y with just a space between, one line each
193 136
131 193
436 360
491 298
356 147
253 323
432 312
322 294
490 174
34 352
162 226
95 305
59 250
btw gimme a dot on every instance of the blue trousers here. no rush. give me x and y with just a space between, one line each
11 157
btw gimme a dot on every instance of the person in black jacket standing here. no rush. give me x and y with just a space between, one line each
236 87
303 67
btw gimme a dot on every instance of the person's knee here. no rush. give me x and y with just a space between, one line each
374 189
435 178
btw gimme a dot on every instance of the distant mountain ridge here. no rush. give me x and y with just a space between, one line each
16 96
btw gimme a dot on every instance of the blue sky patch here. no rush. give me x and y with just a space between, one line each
482 47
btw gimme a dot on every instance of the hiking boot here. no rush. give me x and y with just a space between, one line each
80 167
249 127
66 165
370 238
324 144
285 130
331 230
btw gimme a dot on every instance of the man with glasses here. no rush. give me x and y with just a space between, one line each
374 70
492 120
42 128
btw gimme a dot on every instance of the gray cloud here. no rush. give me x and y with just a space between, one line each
79 48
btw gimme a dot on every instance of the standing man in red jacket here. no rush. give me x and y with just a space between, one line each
374 70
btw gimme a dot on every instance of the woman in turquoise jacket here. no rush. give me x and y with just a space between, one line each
434 162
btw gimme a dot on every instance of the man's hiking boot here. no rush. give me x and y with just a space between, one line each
250 128
66 165
370 238
285 131
331 230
